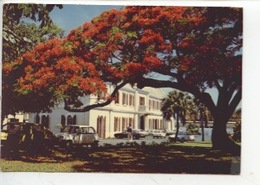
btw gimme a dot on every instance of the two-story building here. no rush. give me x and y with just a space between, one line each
138 107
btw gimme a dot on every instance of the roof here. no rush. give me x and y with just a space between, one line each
153 92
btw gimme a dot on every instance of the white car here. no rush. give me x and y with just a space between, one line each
150 132
142 132
159 134
182 136
78 135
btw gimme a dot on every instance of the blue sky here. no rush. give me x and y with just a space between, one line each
72 16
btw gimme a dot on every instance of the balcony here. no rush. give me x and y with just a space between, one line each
143 108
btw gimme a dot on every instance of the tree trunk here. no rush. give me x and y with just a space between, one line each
202 131
177 127
202 125
220 139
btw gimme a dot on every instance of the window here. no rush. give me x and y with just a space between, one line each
117 98
45 121
132 122
124 124
37 118
14 120
101 126
63 120
125 99
156 124
68 120
131 100
141 100
116 124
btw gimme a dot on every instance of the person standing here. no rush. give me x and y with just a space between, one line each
130 133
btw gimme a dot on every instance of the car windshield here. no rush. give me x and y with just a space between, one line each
10 128
79 130
88 130
70 129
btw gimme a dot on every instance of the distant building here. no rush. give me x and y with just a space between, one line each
138 107
18 117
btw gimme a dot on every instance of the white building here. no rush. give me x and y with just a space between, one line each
138 107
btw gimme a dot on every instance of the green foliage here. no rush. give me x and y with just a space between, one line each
175 104
19 37
14 13
143 143
193 129
237 132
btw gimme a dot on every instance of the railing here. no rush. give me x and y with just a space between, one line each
143 108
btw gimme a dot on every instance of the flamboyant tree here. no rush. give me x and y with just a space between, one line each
19 37
196 48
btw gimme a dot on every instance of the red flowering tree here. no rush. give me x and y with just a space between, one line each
19 37
196 48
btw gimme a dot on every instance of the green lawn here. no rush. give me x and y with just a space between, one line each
191 158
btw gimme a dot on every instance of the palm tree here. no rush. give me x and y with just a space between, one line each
175 105
237 128
202 112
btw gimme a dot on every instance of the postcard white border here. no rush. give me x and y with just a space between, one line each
250 172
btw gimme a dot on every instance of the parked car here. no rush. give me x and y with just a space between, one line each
151 131
169 132
142 132
182 136
22 135
159 134
124 134
78 135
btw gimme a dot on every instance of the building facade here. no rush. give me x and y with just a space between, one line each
138 107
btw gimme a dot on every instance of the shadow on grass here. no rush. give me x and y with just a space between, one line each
142 159
160 159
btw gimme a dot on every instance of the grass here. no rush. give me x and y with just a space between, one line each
189 158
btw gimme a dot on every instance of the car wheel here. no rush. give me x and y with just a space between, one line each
182 140
95 144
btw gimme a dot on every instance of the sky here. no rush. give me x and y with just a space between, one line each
73 16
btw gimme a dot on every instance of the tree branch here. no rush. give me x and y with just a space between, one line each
235 101
217 84
89 107
202 96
